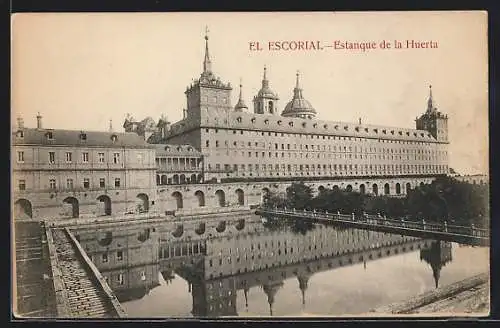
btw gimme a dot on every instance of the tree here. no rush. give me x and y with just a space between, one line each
445 199
299 196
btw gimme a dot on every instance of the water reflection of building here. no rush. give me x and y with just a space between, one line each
127 258
437 255
253 260
266 249
233 264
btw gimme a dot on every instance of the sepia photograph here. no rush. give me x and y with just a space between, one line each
266 164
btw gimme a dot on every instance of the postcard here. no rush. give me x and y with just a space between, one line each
278 165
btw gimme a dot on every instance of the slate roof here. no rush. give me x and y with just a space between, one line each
78 138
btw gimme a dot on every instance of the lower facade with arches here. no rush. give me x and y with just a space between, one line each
167 198
219 195
82 204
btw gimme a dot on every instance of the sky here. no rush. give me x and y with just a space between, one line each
81 70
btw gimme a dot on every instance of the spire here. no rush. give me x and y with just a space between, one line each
245 291
207 64
110 125
241 103
271 289
437 255
265 81
297 91
430 101
436 273
303 282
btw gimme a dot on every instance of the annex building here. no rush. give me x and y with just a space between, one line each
219 155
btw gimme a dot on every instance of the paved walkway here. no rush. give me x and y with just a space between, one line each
468 297
33 286
475 300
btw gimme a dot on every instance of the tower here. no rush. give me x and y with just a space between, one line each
208 93
433 121
303 284
270 289
266 101
437 256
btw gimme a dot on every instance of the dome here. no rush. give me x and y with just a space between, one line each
298 106
265 91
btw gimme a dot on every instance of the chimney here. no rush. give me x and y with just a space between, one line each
39 121
20 123
359 120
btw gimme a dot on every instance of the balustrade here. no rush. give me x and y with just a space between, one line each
469 231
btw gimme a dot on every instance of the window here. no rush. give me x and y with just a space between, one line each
69 183
119 255
102 182
22 184
104 257
139 158
52 184
85 157
100 157
20 156
117 182
52 157
69 157
86 183
83 136
116 158
49 135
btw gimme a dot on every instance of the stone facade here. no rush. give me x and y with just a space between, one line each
240 144
219 155
62 173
